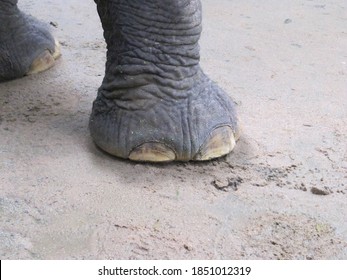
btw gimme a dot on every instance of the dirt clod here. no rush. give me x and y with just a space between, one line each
318 191
229 183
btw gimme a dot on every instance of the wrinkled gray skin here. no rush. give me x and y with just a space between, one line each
154 90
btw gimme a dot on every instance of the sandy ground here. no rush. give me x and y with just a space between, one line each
282 194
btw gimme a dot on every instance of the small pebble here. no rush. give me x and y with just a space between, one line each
54 24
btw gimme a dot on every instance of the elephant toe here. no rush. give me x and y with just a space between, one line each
45 60
219 143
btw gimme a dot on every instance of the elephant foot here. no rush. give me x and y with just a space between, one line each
153 124
26 45
155 104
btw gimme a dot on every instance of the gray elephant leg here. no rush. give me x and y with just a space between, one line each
26 46
155 103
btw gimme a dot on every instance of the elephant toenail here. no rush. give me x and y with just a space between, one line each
46 60
57 49
152 152
42 63
220 142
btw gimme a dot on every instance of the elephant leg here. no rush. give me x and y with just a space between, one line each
155 103
26 45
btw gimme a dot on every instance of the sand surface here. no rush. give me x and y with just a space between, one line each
282 194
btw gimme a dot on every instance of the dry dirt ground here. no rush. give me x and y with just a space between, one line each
282 194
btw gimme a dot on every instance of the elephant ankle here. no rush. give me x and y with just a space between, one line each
153 54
